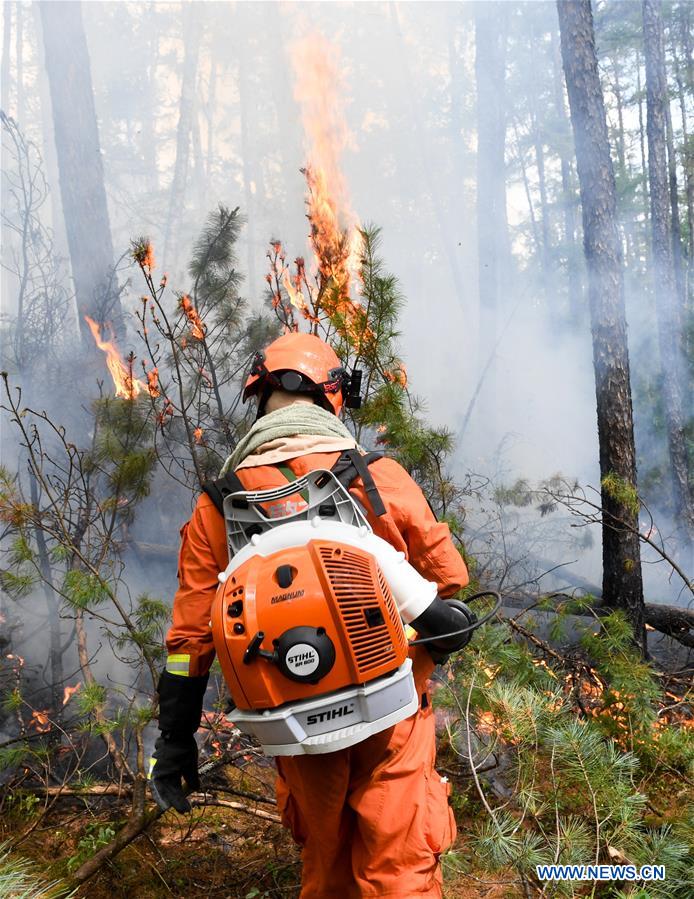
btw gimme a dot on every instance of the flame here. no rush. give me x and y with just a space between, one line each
69 692
148 256
486 723
197 434
143 253
335 234
193 316
216 720
41 721
293 288
166 413
126 385
153 382
397 375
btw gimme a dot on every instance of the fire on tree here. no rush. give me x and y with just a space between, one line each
503 503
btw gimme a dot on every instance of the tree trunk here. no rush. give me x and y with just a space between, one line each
544 205
538 146
287 136
458 90
198 164
622 584
48 146
79 164
567 189
6 42
177 196
210 115
149 132
250 180
623 173
621 149
667 312
19 65
642 143
420 137
5 106
492 224
686 25
528 193
688 166
674 209
53 611
688 154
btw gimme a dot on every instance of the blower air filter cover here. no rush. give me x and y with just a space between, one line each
305 654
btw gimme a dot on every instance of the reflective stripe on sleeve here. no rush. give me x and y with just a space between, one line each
179 663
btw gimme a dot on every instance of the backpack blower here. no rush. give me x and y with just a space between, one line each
308 619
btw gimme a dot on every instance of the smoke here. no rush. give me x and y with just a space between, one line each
521 400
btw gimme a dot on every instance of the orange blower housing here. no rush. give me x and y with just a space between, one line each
304 622
308 619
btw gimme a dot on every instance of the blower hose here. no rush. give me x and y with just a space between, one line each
468 613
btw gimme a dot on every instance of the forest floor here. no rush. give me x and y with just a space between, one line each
243 852
224 853
216 852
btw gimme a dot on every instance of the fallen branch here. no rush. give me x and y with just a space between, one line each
95 790
22 737
134 828
536 641
672 621
676 622
237 806
123 838
254 797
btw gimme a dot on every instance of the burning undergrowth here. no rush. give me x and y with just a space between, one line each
73 518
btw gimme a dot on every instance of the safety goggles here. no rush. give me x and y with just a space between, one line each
295 382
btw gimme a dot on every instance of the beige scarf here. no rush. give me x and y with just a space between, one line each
277 451
294 430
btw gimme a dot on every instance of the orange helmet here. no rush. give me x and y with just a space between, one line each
298 363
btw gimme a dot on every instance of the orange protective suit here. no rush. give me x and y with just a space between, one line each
372 819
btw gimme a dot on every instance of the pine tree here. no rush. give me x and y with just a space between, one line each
669 316
622 585
201 355
80 165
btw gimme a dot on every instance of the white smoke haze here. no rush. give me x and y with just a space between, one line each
408 98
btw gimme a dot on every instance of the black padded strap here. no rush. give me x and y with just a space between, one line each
221 488
351 465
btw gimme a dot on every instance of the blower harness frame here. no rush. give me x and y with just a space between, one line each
351 465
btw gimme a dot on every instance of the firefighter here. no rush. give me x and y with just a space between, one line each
372 819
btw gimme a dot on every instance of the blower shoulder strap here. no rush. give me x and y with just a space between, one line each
352 465
349 466
220 488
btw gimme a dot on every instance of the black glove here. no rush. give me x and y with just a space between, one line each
445 617
176 752
175 758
